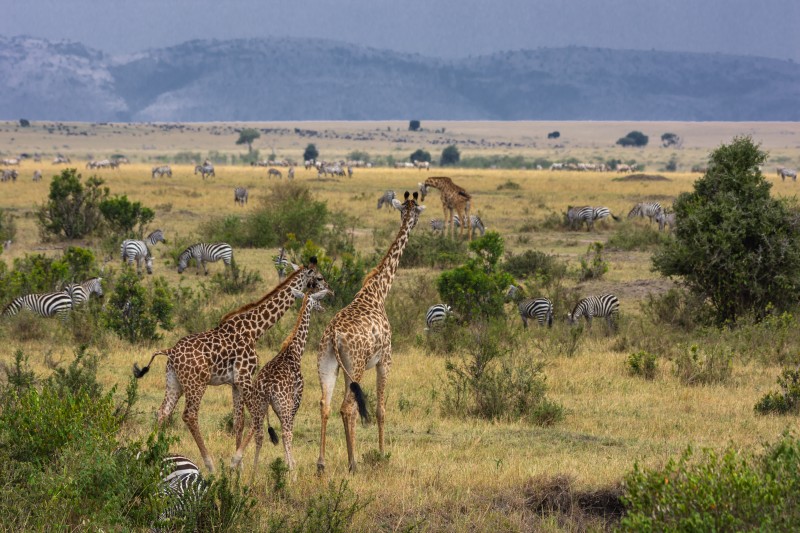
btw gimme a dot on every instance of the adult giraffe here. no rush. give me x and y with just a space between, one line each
226 355
454 198
360 337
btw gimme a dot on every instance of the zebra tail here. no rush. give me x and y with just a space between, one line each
615 217
362 404
139 372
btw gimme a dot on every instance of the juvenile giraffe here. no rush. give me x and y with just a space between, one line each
454 198
280 384
360 337
226 355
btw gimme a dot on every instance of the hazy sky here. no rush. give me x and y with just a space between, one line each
439 28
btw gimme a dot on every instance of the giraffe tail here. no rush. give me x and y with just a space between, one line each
273 437
360 402
139 372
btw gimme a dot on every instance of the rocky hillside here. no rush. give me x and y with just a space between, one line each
301 79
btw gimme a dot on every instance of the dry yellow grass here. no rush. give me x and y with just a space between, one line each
445 473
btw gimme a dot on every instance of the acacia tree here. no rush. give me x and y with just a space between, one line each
420 155
735 245
311 153
247 136
450 156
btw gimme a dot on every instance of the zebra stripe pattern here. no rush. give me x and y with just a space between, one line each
44 304
203 252
588 215
606 305
386 199
132 250
240 196
666 219
540 309
164 170
646 209
283 264
475 220
80 292
182 483
205 170
436 314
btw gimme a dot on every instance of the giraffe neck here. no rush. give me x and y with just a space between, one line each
379 281
295 343
253 322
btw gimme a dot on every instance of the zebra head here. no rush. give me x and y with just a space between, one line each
183 260
156 237
511 292
423 190
95 286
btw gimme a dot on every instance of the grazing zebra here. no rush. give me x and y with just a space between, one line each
290 173
787 173
44 304
539 308
666 219
587 214
274 172
206 169
476 221
182 483
512 292
9 175
203 252
80 292
646 209
386 199
240 196
437 224
283 264
436 314
133 250
164 170
606 305
37 175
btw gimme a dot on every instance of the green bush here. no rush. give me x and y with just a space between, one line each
703 367
642 364
677 308
420 155
239 280
533 264
593 266
39 273
433 250
450 156
331 510
731 491
630 236
222 503
787 400
8 229
123 216
135 312
736 246
634 138
311 153
73 208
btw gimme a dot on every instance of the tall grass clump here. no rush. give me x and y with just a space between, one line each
533 264
697 366
592 264
784 401
630 236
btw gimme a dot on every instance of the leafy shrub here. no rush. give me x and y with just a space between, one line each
135 312
631 236
677 308
731 491
187 158
432 250
73 208
420 155
229 228
703 367
509 185
593 266
642 364
495 161
222 504
239 280
8 229
495 382
279 474
634 138
450 156
331 510
39 273
123 216
406 305
542 267
787 400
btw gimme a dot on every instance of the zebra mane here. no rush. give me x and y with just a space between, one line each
252 305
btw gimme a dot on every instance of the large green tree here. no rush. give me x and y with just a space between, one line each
450 156
247 136
734 244
72 210
311 153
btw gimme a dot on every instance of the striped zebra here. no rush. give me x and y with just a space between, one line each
646 209
386 199
787 173
9 175
44 304
206 169
274 172
436 315
182 484
290 173
37 175
588 215
606 305
437 224
666 219
283 264
539 308
134 250
476 221
240 196
203 252
80 292
164 170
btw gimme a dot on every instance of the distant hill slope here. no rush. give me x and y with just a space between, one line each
301 79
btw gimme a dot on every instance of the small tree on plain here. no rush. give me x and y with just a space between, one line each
420 155
634 138
311 153
450 156
247 136
125 216
734 244
414 125
73 208
24 123
671 139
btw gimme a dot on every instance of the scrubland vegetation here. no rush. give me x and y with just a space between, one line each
682 419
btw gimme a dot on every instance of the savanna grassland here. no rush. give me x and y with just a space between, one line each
443 473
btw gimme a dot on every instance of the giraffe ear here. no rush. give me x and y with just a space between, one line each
298 294
416 195
313 260
406 195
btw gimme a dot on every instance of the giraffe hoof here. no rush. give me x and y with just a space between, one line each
320 468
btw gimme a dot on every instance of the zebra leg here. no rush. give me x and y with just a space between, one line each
524 321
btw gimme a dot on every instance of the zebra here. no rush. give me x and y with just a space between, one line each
539 308
787 173
161 171
182 483
386 199
206 169
437 224
587 214
282 264
240 196
133 250
9 175
274 172
606 305
475 220
203 252
44 304
349 171
436 314
290 173
646 209
80 292
37 175
666 219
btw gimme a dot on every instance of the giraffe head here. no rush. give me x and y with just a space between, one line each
312 277
409 208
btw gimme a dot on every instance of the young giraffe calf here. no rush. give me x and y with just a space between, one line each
280 384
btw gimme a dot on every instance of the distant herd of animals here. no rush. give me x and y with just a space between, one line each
356 339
